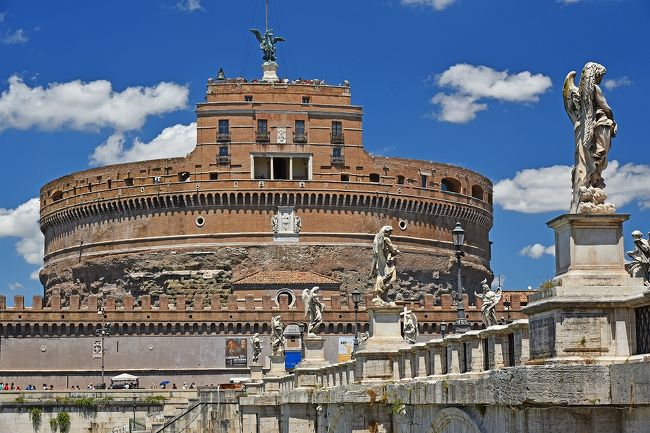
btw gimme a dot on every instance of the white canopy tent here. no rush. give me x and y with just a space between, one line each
124 377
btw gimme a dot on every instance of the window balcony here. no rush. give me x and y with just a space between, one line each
223 137
223 159
262 136
299 138
338 160
337 138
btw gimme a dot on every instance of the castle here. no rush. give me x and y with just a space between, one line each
278 195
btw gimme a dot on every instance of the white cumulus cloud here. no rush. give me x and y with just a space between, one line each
189 5
177 140
15 37
547 189
22 223
536 251
470 84
83 106
613 83
435 4
15 286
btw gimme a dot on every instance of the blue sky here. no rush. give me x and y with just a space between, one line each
470 82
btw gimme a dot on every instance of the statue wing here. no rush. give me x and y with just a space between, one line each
570 94
278 39
257 34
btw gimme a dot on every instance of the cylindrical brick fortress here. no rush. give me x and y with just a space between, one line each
279 180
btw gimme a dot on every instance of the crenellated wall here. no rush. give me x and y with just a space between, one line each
216 315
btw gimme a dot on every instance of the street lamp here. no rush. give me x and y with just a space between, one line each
506 306
133 422
356 299
103 332
443 329
458 237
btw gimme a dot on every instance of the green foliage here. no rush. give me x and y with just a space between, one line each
155 399
86 402
63 422
20 400
36 417
397 408
106 400
54 424
548 284
63 400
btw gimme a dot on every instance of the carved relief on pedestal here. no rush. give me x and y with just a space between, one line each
286 225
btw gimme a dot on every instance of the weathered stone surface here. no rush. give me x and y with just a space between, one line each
184 272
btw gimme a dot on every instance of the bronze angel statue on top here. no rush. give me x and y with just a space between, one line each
594 128
267 43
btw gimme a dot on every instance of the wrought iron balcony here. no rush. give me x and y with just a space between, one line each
300 138
262 136
223 137
338 159
336 138
223 159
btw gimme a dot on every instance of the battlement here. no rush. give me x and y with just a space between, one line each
215 315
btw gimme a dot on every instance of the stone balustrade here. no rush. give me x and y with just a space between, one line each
473 352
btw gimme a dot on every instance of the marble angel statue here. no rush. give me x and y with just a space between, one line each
383 265
256 344
593 128
277 335
490 300
410 326
313 309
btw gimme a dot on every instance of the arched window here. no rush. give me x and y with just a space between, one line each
57 195
374 177
477 192
450 184
400 180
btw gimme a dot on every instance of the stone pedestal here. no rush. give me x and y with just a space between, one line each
375 360
270 70
277 366
590 312
307 370
256 372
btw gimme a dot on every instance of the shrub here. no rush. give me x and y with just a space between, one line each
63 422
20 400
155 399
35 416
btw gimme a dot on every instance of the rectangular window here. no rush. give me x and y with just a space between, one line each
336 152
337 132
248 98
424 180
224 126
337 128
305 99
299 135
223 150
300 127
262 125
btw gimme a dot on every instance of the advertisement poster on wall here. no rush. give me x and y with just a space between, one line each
346 345
236 352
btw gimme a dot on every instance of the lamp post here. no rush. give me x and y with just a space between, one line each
133 422
506 306
356 299
302 327
103 332
443 329
458 237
